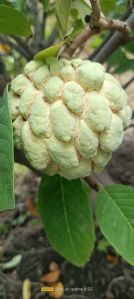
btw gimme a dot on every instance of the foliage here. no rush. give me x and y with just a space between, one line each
45 5
122 60
71 228
115 215
51 51
67 217
62 11
13 22
6 156
113 8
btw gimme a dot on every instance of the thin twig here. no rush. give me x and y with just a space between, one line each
123 17
35 12
128 82
24 45
42 26
116 40
3 70
16 63
52 37
131 5
80 39
93 55
8 280
119 279
92 182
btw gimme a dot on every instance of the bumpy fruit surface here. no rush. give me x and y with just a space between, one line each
68 116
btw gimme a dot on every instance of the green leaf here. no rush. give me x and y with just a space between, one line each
67 218
116 58
126 66
6 155
45 5
96 41
83 8
5 2
108 7
120 61
115 215
77 29
13 22
130 45
51 51
63 11
103 245
69 32
20 4
17 4
74 13
113 8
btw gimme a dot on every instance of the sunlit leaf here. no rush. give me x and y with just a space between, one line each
83 8
51 51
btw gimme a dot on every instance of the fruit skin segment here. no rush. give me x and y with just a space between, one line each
68 116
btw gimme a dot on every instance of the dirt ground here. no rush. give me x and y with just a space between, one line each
105 276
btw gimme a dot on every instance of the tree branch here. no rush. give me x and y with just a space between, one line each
80 39
52 37
34 7
4 77
92 182
3 70
116 40
97 24
96 13
128 82
123 17
131 4
22 43
42 26
112 24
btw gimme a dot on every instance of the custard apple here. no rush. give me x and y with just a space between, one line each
68 116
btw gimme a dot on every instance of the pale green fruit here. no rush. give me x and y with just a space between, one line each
68 116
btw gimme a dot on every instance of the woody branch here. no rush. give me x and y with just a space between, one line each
97 23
